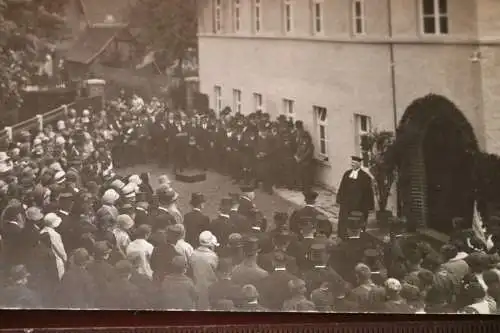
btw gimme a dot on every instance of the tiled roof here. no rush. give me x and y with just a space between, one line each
91 43
96 11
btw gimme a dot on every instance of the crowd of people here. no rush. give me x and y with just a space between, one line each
75 234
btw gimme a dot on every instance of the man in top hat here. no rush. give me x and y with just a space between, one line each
274 288
224 288
246 204
77 286
17 294
281 242
320 272
308 210
101 270
248 271
166 198
355 193
221 226
195 221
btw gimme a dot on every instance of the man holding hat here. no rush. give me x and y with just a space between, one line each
309 209
355 193
195 221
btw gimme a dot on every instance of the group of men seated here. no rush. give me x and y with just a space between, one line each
74 234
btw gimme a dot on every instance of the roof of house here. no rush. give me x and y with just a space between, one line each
91 43
100 11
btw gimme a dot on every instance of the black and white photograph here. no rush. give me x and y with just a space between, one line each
319 156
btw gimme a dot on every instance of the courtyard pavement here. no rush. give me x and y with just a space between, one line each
217 186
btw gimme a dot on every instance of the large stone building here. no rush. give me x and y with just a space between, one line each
346 67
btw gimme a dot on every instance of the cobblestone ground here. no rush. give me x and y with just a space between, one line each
214 188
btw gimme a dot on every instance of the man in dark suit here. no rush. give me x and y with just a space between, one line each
307 211
274 288
195 221
246 205
304 157
221 226
239 222
355 194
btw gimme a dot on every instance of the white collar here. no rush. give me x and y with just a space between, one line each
163 209
65 213
224 215
320 266
354 174
308 205
256 228
459 256
280 269
140 208
197 209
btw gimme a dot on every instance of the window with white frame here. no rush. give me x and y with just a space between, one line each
217 15
236 15
288 15
358 17
258 102
237 100
317 11
363 127
434 17
218 98
257 15
321 120
289 109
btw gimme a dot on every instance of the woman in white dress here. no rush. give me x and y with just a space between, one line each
51 222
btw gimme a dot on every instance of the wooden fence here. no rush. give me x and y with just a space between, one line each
38 122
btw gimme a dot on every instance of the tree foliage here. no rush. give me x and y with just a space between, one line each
168 27
379 145
26 26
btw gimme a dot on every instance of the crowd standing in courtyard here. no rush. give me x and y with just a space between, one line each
74 234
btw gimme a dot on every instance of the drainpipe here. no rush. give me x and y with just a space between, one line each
393 89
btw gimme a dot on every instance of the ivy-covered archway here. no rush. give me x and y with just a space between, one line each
435 152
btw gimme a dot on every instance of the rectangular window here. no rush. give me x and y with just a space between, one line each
318 16
236 15
321 119
434 18
289 109
258 103
237 100
358 17
217 16
363 127
218 99
288 16
257 16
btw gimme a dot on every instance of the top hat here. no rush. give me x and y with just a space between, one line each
310 196
356 158
197 199
251 245
226 202
280 217
247 188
